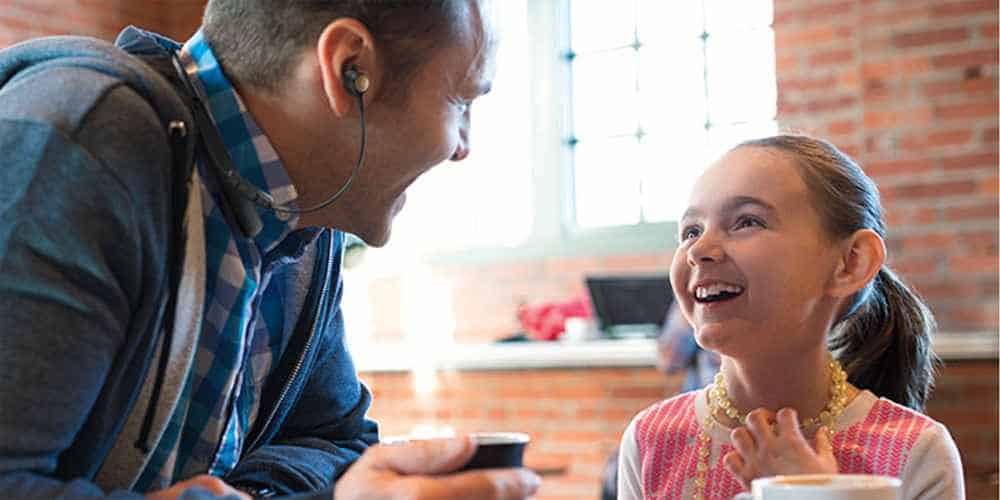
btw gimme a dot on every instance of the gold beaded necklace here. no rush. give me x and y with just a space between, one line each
720 404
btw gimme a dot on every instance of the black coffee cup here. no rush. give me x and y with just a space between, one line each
498 449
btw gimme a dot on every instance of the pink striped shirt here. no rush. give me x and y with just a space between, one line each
872 436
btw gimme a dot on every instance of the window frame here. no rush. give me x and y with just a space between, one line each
554 231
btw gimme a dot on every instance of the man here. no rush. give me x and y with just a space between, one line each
161 334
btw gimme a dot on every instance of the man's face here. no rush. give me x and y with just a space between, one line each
430 125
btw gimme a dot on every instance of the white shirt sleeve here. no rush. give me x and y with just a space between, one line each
934 469
629 466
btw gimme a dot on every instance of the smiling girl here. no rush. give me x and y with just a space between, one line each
781 261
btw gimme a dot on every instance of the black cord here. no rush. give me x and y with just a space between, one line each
354 173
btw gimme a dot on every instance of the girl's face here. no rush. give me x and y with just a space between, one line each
753 266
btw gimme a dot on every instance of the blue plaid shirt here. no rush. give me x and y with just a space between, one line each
246 301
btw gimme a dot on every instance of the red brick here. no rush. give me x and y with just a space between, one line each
930 37
935 140
948 9
989 31
952 290
842 127
822 105
969 161
967 86
811 13
990 135
965 58
973 264
930 189
966 110
785 63
988 210
895 67
808 83
810 35
916 243
831 57
978 242
990 185
895 216
906 14
898 117
898 167
915 266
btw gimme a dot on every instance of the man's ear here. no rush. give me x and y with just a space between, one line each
344 44
862 256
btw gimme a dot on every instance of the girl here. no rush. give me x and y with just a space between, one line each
781 260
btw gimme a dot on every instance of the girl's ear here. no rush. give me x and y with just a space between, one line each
862 257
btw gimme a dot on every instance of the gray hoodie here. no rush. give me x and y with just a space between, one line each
93 189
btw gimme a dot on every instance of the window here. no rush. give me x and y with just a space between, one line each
658 88
601 115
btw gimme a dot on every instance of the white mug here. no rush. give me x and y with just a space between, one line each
827 487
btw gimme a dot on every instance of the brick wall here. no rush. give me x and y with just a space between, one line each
909 88
576 417
22 19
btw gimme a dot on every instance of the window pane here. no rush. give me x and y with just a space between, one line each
604 93
661 20
741 81
722 14
669 163
493 186
607 182
672 85
599 25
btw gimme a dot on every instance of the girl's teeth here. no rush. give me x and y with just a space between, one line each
714 289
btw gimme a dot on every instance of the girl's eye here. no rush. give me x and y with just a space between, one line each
748 221
690 232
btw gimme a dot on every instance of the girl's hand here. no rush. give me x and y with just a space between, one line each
763 450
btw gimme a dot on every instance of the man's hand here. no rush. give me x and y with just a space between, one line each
213 484
763 450
419 470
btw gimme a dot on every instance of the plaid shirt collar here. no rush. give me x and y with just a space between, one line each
251 151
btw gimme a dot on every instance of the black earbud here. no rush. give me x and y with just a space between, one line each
355 82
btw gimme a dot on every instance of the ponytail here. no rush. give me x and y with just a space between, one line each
885 346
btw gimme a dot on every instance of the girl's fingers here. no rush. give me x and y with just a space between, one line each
736 466
823 445
759 424
788 426
743 442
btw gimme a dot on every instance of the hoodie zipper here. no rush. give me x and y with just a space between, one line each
305 351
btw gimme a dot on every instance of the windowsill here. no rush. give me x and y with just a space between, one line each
591 354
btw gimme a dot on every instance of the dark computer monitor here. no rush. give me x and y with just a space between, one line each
630 306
